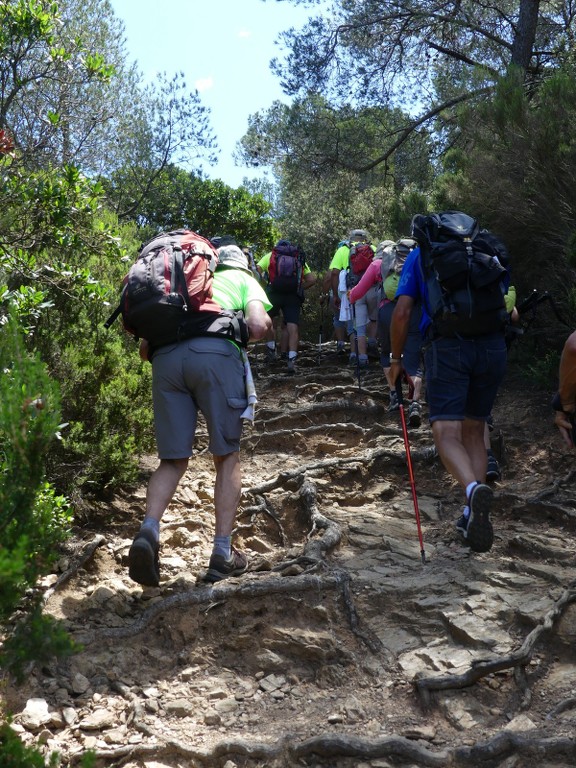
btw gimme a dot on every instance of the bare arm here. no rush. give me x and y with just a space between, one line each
567 374
308 280
398 334
567 390
258 320
335 279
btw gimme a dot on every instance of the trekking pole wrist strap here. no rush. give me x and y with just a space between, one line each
557 405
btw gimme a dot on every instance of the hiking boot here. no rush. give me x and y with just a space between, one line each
493 469
269 355
373 352
143 563
479 532
363 362
394 404
219 568
291 368
414 414
352 360
462 525
340 348
284 356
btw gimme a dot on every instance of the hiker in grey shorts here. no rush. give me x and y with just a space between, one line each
210 375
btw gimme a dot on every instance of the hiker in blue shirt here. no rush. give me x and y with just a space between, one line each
463 373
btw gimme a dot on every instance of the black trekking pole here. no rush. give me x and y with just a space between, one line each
320 331
409 463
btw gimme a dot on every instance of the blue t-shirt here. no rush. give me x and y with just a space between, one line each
412 284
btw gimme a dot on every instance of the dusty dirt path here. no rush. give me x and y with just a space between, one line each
339 648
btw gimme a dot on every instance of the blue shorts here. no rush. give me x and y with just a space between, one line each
202 374
412 352
463 376
287 303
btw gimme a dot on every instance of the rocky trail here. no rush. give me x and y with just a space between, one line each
339 648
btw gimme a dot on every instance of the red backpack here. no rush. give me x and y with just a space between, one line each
361 256
167 294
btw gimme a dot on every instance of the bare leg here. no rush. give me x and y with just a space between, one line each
227 490
143 563
460 445
162 486
293 337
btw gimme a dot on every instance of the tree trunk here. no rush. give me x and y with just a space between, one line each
525 33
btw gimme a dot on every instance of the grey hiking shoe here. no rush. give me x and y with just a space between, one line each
219 568
479 532
143 563
291 369
394 404
414 414
269 355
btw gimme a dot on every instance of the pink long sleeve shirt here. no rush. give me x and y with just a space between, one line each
368 279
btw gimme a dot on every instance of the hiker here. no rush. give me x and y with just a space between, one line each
249 253
288 277
493 471
564 402
464 352
338 325
385 272
392 264
210 375
361 323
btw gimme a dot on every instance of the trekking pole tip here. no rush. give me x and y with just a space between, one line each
423 555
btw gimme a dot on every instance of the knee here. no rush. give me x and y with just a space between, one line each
178 466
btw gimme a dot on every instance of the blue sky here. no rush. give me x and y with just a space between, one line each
224 48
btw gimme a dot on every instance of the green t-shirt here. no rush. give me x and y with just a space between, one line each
234 289
341 258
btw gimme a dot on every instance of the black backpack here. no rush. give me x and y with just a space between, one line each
463 268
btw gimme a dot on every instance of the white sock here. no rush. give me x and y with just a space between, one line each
469 488
292 355
271 344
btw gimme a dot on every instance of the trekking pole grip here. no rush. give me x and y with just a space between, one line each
398 387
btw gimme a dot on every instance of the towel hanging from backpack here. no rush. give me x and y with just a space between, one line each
249 413
345 308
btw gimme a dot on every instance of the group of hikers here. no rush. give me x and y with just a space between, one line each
432 307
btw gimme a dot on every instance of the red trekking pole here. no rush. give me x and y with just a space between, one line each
409 462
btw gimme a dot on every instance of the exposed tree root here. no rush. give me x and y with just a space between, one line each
398 749
86 553
346 406
256 586
483 667
291 478
262 507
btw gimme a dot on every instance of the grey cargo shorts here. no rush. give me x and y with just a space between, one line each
201 374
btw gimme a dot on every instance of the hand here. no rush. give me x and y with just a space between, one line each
566 427
143 349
